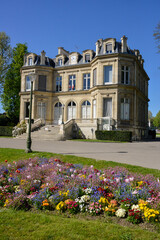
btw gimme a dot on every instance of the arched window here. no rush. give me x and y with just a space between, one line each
71 110
58 113
86 109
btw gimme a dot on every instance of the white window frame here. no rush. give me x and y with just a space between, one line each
59 84
30 61
72 82
60 62
125 109
110 77
28 83
125 71
87 81
86 110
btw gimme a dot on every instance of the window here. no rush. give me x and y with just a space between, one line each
58 113
41 110
94 108
28 83
107 107
72 82
59 84
95 77
71 110
86 81
26 107
60 62
125 75
109 48
42 83
86 109
87 58
125 109
30 62
107 74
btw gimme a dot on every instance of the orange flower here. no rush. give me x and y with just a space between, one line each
17 171
6 160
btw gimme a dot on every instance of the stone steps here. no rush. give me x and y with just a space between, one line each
47 132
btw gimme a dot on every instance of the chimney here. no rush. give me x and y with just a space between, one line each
124 44
98 46
43 57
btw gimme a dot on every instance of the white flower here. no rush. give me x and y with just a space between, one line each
131 179
135 192
88 190
120 212
135 207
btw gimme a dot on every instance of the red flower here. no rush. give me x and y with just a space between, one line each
17 171
6 160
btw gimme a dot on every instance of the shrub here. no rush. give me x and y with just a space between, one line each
114 135
5 131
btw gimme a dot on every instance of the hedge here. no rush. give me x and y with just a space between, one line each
125 136
5 131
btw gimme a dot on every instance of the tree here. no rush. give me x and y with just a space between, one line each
157 36
5 56
11 88
156 120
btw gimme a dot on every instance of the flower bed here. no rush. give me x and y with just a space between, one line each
54 185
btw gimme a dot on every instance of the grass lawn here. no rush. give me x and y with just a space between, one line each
22 225
43 225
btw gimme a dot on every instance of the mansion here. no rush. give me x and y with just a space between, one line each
105 89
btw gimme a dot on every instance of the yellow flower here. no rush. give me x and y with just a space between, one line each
103 200
60 206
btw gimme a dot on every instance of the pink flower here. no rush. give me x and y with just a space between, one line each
90 176
127 180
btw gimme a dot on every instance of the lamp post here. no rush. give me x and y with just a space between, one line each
29 141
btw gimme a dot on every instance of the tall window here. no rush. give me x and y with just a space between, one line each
125 75
42 83
107 107
41 108
59 84
72 82
94 108
60 62
107 74
28 83
86 109
71 110
86 81
87 58
109 48
30 61
95 77
125 109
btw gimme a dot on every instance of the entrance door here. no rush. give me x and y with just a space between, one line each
71 110
58 113
42 110
107 107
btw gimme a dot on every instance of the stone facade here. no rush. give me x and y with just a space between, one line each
109 84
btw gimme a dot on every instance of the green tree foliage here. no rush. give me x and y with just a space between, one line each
156 120
157 36
5 56
10 96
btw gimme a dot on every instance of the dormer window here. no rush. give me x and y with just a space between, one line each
109 48
60 62
30 61
87 58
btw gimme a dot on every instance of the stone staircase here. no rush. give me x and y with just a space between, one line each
47 132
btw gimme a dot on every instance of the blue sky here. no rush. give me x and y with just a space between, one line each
77 24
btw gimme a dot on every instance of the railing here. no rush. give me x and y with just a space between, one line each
37 123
